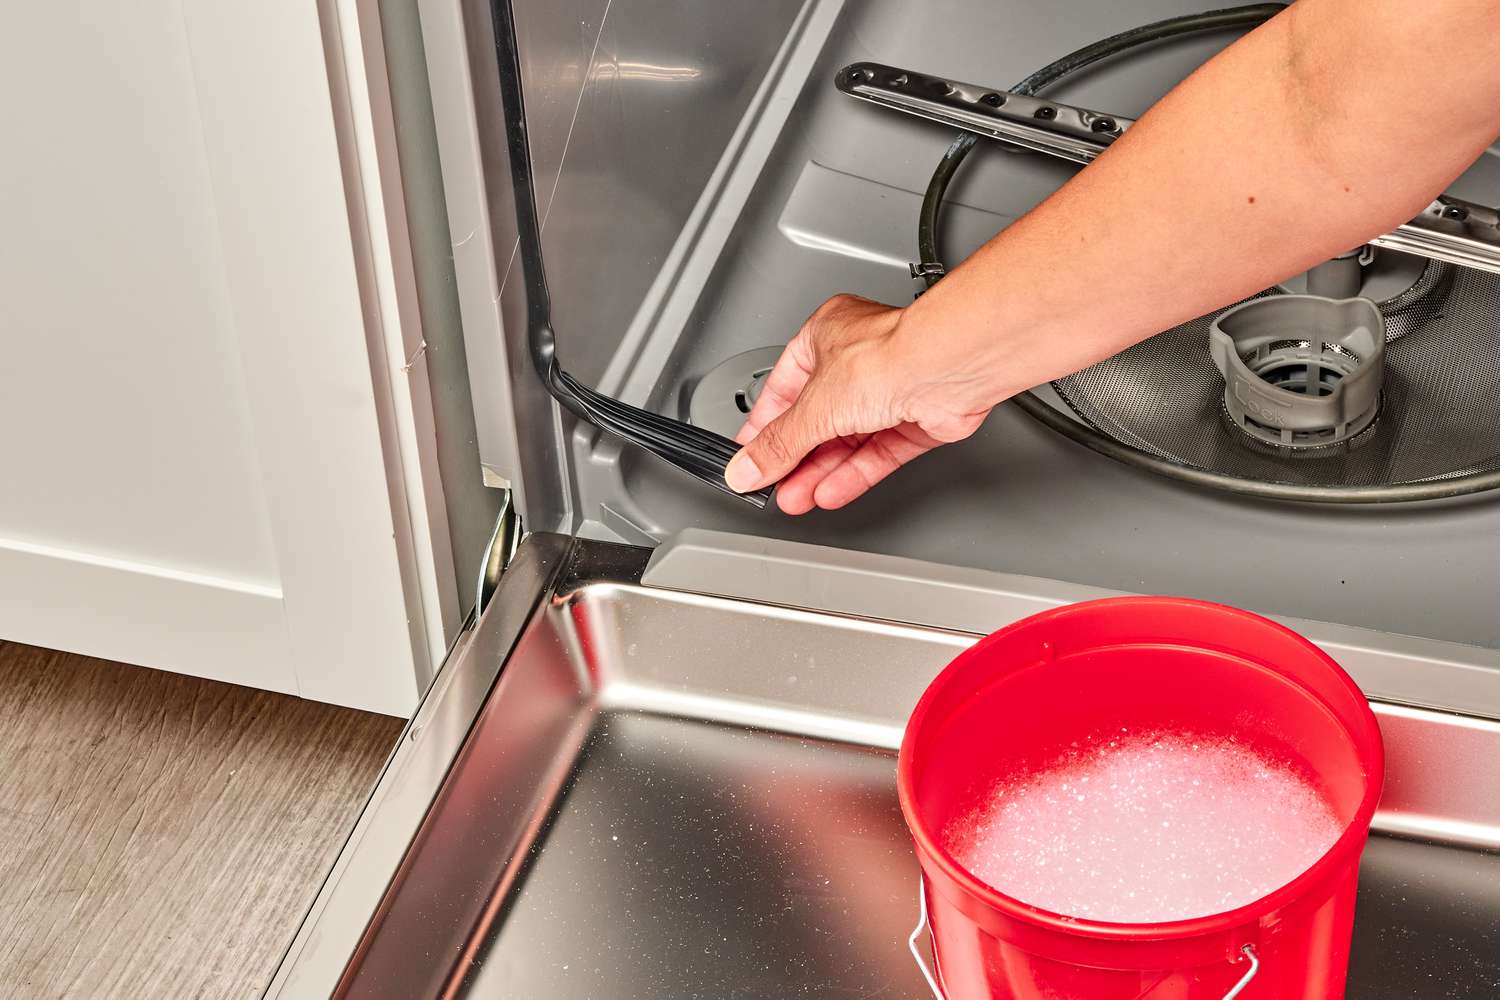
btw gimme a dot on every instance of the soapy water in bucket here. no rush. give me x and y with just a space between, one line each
1147 827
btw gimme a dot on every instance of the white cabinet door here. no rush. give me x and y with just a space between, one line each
193 474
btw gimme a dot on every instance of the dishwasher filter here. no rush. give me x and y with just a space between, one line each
1439 414
1301 372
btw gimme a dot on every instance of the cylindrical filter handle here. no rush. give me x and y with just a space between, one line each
1339 278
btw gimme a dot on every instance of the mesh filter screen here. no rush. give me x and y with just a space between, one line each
1440 408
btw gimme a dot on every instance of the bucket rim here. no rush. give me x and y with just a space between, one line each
1347 847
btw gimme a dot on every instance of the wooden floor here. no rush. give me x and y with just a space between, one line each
160 836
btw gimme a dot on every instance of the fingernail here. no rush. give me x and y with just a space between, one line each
742 475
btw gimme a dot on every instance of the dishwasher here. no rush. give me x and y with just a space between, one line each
660 760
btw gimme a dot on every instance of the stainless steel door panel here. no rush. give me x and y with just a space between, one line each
674 794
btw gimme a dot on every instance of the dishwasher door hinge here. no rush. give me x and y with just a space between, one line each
503 542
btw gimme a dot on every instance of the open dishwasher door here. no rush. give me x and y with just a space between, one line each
662 762
624 789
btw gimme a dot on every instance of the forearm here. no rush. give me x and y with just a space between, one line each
1334 122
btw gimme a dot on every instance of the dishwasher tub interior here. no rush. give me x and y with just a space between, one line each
704 186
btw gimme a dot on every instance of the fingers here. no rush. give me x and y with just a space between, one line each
827 381
795 494
781 388
839 471
781 444
880 455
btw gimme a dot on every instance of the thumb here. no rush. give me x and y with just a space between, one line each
779 447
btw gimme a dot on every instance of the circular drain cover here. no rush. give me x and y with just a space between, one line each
722 399
1439 415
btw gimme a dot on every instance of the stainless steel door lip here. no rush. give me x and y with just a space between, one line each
673 794
352 891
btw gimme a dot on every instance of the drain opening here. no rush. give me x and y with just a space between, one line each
727 392
745 397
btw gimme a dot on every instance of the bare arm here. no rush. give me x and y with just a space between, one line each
1332 123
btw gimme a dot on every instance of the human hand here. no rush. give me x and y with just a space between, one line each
855 395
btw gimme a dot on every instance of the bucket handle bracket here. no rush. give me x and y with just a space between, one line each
1249 952
933 976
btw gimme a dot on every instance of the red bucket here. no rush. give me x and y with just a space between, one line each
1145 661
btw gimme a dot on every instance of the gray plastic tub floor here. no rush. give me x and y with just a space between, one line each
834 209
